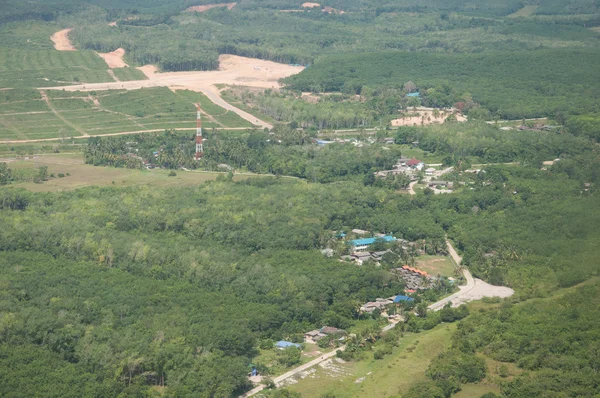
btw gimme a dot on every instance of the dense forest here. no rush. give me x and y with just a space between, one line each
78 294
511 85
177 292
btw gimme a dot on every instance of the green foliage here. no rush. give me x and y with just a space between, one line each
506 83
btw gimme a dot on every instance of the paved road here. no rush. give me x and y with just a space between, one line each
464 290
277 380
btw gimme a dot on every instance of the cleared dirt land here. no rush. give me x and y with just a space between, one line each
209 6
233 70
61 40
114 59
84 175
426 116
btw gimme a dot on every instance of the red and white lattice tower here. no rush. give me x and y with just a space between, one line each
199 149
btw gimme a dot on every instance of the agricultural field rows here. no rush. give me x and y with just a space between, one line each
25 114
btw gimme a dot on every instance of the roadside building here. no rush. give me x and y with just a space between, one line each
429 171
313 336
282 345
415 164
359 245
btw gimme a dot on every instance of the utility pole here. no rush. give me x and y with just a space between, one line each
199 148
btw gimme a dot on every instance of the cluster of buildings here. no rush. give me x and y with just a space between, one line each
405 166
315 335
382 304
415 278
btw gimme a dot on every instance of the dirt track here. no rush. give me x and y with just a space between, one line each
209 6
234 70
114 59
61 40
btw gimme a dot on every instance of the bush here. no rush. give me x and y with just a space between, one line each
172 173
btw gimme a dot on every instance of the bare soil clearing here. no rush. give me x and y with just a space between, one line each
61 40
209 6
311 5
524 12
426 116
234 70
112 24
114 59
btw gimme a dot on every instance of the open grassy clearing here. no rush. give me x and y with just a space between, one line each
238 103
84 175
393 374
524 12
435 265
24 114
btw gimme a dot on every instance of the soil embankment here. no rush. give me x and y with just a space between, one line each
207 7
114 59
61 40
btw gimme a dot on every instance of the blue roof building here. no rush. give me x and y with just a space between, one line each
400 298
370 241
417 94
286 344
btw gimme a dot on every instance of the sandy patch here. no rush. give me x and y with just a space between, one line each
61 40
113 23
114 59
426 116
311 5
209 6
148 70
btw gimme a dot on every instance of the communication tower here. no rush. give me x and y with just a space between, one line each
199 148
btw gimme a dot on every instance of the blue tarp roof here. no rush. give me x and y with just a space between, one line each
400 298
286 344
370 241
417 94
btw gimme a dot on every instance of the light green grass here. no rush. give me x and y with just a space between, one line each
435 265
129 73
235 101
83 175
25 115
524 12
393 374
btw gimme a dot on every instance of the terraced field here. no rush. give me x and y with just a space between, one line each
21 68
27 114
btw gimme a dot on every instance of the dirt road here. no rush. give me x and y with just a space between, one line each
234 70
61 40
113 134
411 186
58 115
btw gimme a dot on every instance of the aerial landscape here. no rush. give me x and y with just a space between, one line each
287 199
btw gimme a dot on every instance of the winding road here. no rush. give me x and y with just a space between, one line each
474 289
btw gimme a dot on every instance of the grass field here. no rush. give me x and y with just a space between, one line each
524 12
29 114
435 265
393 374
84 175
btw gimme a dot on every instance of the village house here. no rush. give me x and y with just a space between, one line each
359 245
379 304
313 336
443 184
415 164
415 278
429 171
